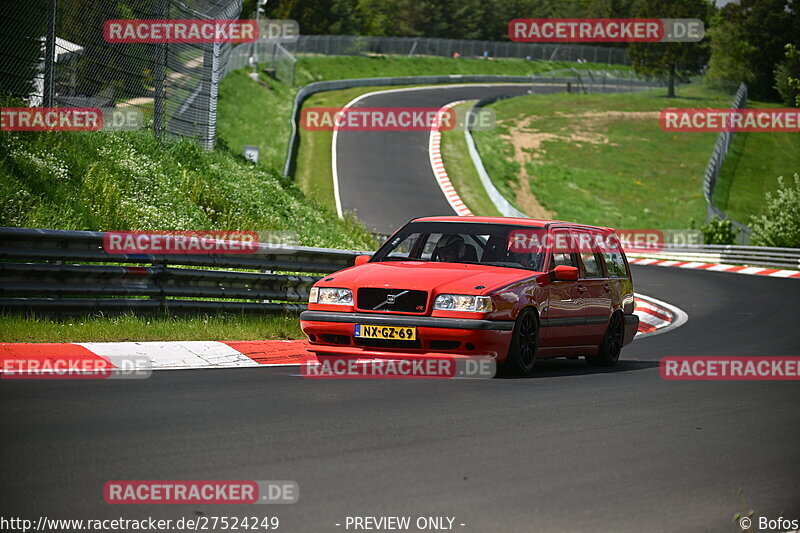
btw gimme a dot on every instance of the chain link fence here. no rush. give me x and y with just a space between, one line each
273 55
54 54
281 57
423 46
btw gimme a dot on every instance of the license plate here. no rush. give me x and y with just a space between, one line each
395 333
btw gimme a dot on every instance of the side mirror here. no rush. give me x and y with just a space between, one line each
564 273
361 259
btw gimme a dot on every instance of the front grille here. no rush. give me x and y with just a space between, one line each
387 343
393 300
444 345
336 339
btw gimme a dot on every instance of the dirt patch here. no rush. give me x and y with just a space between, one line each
528 140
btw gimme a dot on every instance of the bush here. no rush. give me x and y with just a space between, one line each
781 225
787 74
719 231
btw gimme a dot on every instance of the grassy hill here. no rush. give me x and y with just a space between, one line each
603 159
128 181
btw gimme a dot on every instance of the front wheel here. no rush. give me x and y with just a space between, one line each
611 345
524 345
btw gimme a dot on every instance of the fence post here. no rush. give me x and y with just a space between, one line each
50 57
159 77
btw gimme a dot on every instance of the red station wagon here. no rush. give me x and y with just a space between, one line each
514 289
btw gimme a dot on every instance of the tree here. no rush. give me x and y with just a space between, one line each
787 77
668 58
730 50
753 36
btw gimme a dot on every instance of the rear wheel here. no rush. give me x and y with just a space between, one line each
524 345
611 345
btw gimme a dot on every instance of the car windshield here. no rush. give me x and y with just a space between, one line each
465 242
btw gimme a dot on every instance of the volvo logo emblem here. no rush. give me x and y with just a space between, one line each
390 299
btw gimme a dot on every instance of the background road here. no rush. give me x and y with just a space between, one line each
386 177
570 449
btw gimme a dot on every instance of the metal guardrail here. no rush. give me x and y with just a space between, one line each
336 85
718 154
69 271
784 258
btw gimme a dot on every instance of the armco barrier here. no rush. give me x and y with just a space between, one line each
714 167
69 271
321 86
784 258
54 271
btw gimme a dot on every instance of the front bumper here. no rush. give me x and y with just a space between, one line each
462 336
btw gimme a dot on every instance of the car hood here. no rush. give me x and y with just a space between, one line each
436 277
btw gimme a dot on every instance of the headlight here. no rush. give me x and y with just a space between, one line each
330 296
463 302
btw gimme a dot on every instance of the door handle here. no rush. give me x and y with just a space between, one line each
607 287
581 288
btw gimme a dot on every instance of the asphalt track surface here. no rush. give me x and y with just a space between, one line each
569 449
376 171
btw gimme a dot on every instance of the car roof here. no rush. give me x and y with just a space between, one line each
531 222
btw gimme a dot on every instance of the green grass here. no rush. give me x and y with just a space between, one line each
751 169
127 181
15 328
621 171
250 113
255 114
462 172
319 68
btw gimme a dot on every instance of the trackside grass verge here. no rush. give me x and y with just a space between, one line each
16 328
751 169
319 68
603 159
462 172
128 181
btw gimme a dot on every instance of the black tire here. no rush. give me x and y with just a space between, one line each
524 345
611 345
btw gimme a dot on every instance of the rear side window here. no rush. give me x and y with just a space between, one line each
615 263
592 266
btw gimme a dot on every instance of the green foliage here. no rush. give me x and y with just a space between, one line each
128 181
750 41
781 225
730 50
449 19
787 77
670 58
719 231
